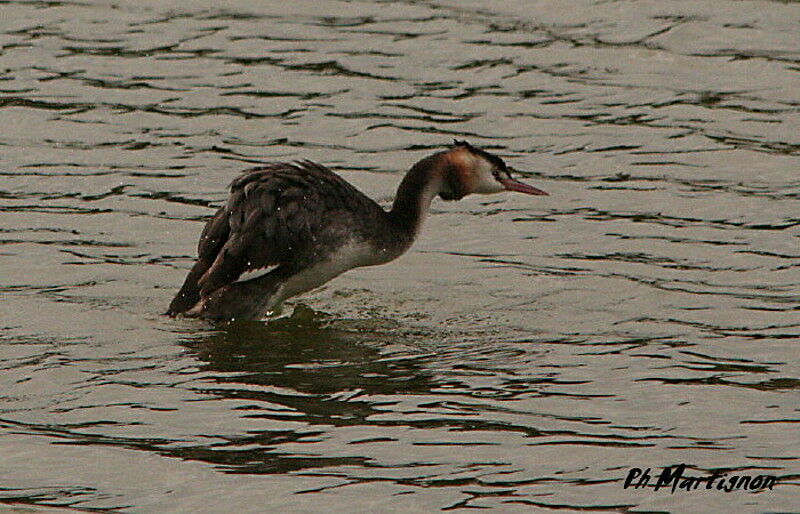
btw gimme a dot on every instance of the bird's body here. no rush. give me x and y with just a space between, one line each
288 228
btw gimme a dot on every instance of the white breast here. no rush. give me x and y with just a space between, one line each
347 257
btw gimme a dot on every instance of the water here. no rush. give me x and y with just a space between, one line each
525 354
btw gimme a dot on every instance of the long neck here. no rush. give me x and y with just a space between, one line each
414 195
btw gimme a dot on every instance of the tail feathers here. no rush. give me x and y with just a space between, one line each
189 294
238 300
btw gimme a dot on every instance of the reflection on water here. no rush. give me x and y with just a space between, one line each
299 369
526 352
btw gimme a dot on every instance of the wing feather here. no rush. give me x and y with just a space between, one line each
275 217
212 239
278 218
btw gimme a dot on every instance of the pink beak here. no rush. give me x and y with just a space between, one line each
521 187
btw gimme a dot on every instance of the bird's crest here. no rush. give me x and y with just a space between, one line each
497 162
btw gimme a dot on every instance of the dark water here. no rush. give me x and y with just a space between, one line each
524 355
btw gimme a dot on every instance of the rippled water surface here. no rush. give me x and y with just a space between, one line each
524 355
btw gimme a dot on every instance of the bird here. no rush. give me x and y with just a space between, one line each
288 228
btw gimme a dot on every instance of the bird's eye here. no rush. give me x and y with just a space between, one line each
499 174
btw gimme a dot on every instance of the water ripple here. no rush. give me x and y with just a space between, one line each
524 354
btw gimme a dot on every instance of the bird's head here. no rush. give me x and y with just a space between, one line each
471 170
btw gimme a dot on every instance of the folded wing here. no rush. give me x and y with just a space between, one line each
277 218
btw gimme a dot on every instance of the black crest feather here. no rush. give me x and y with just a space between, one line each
495 160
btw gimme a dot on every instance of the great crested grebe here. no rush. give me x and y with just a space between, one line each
287 228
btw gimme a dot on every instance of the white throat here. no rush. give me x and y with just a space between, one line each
482 180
